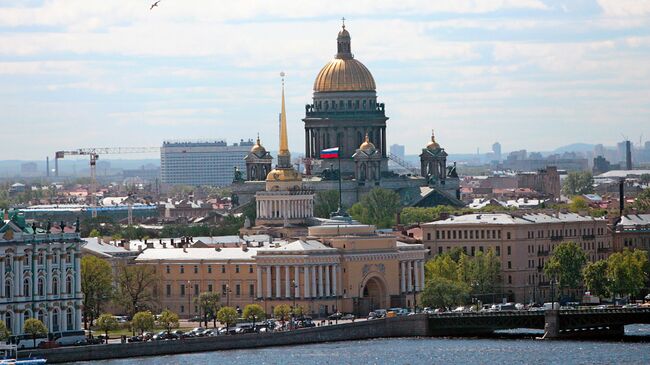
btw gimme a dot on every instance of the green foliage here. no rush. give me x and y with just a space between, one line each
168 319
106 322
4 331
227 316
208 304
325 203
444 293
627 272
578 204
136 286
644 179
94 233
143 321
96 286
484 272
378 207
250 211
578 183
565 264
594 276
642 201
34 328
253 312
282 312
441 266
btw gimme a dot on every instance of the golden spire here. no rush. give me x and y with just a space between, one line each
284 143
433 144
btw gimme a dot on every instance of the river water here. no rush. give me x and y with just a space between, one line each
423 351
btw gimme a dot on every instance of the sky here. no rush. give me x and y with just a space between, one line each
531 74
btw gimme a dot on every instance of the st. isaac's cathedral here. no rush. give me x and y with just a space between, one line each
345 113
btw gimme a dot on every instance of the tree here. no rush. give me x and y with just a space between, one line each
168 319
106 322
444 293
594 276
644 179
378 207
227 316
282 312
34 328
578 204
96 286
484 270
4 331
441 266
94 233
627 272
325 203
578 183
565 264
137 286
253 312
143 321
642 201
208 304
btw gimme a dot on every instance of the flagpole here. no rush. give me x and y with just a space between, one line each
340 195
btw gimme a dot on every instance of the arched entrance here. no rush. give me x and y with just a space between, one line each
372 296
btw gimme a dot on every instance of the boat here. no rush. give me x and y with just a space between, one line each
9 356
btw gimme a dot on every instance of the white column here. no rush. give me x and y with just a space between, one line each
296 275
259 282
278 279
409 278
307 292
402 274
313 282
334 280
77 313
287 282
422 279
77 275
18 278
269 288
320 281
48 274
328 288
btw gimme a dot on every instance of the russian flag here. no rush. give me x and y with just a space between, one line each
330 153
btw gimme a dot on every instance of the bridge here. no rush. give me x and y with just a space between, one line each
555 323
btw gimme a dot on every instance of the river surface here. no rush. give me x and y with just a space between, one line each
423 351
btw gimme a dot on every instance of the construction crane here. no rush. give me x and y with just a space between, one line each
94 154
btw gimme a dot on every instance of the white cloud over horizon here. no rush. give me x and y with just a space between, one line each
530 74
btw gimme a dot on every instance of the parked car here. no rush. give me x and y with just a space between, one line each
135 339
196 319
336 315
348 316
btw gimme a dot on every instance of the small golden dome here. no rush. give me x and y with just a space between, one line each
433 145
279 174
367 146
258 149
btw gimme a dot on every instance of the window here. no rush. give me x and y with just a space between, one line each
209 269
68 319
8 320
68 257
251 290
237 290
224 289
509 250
196 289
250 269
439 250
473 250
26 288
68 285
28 258
168 290
182 269
429 236
41 258
509 264
237 269
55 286
55 258
7 289
498 250
55 320
509 279
223 269
41 287
182 309
196 269
182 290
482 234
167 269
465 234
480 248
210 288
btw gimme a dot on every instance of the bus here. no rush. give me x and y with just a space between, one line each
67 338
26 341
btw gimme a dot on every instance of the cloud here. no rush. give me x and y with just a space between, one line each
625 8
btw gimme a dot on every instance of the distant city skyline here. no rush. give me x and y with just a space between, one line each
530 74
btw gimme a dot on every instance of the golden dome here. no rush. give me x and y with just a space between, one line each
279 174
258 149
367 146
433 145
344 73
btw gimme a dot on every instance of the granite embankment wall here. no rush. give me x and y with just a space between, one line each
409 326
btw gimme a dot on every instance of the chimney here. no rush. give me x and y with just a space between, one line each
148 244
164 244
621 196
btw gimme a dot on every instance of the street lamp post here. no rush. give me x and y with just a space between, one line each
189 300
293 308
415 299
227 295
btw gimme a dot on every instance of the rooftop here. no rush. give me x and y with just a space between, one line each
502 218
